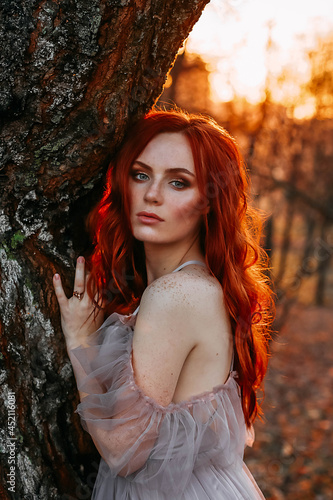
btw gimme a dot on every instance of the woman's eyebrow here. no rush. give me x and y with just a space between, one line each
167 170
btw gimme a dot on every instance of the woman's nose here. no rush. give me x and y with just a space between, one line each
153 193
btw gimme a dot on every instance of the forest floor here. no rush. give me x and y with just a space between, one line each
292 456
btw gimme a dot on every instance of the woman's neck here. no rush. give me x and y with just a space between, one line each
164 260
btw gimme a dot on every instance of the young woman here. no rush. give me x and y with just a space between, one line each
168 392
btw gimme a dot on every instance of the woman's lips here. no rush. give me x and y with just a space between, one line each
148 220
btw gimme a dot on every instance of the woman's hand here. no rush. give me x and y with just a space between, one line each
74 312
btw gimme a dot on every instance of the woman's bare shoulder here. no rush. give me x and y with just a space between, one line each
192 291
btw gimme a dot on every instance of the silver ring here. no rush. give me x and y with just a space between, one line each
78 295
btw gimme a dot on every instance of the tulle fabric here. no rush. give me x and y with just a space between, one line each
191 450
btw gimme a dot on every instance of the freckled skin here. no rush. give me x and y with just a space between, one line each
157 193
196 317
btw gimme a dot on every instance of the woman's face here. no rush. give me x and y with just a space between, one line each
163 182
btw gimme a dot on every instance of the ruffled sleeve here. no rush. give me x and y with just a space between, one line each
122 425
139 439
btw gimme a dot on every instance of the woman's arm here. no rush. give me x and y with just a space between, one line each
163 337
125 427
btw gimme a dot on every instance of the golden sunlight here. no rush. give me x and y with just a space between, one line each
251 45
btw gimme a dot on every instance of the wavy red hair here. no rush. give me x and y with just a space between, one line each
229 238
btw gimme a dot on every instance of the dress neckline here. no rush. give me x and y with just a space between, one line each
187 263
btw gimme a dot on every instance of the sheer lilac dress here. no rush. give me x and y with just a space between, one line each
192 450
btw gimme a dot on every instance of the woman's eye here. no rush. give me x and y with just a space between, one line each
182 184
135 175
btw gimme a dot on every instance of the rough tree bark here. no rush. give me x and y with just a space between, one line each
74 75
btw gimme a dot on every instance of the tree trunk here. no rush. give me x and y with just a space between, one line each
74 76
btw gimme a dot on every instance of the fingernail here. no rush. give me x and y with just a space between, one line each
57 276
80 259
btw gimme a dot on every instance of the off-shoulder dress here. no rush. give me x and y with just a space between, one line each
192 450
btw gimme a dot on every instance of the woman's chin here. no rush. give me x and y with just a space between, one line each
146 233
152 240
147 238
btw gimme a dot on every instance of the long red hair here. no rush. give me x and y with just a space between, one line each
229 239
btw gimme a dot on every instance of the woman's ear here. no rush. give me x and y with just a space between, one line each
203 207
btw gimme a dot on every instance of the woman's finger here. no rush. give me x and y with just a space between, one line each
79 281
59 291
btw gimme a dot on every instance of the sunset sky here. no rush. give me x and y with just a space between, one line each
232 35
